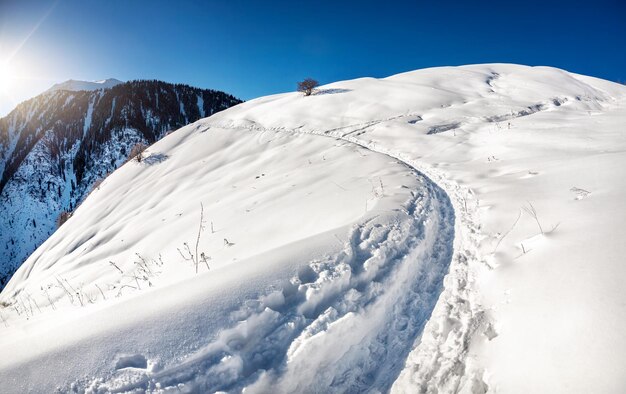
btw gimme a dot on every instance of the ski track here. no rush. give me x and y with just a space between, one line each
353 322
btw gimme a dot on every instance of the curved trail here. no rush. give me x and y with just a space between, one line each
438 361
345 324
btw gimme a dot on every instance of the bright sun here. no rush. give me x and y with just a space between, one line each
7 77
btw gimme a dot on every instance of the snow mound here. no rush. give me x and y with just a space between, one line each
73 85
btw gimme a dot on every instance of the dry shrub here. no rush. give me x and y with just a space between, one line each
307 86
136 152
63 217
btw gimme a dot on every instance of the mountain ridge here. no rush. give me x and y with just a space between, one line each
56 146
78 85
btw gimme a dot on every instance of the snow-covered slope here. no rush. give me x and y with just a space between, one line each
56 146
300 233
327 249
73 85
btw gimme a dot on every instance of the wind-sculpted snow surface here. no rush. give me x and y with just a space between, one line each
290 302
447 230
535 262
342 324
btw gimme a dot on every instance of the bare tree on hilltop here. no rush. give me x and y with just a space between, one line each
307 86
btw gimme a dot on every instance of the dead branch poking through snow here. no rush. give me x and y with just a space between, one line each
530 209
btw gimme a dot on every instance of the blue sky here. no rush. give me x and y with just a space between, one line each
254 48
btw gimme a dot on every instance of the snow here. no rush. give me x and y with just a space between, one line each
200 103
330 222
246 182
74 85
87 123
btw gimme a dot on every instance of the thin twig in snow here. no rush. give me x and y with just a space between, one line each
119 293
339 186
29 296
71 297
530 209
118 268
49 299
199 231
509 230
101 292
205 259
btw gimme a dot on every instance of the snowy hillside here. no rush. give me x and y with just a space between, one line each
74 86
56 146
453 229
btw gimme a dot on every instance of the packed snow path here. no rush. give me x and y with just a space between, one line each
356 316
344 324
346 321
439 354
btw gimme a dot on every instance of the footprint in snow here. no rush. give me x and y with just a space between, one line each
132 361
580 193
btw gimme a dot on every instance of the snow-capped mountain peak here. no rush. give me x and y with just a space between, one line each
75 85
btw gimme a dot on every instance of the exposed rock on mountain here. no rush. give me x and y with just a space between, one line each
55 147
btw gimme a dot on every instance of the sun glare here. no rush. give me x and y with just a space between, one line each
7 77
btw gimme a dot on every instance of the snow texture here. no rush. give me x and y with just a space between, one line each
452 229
